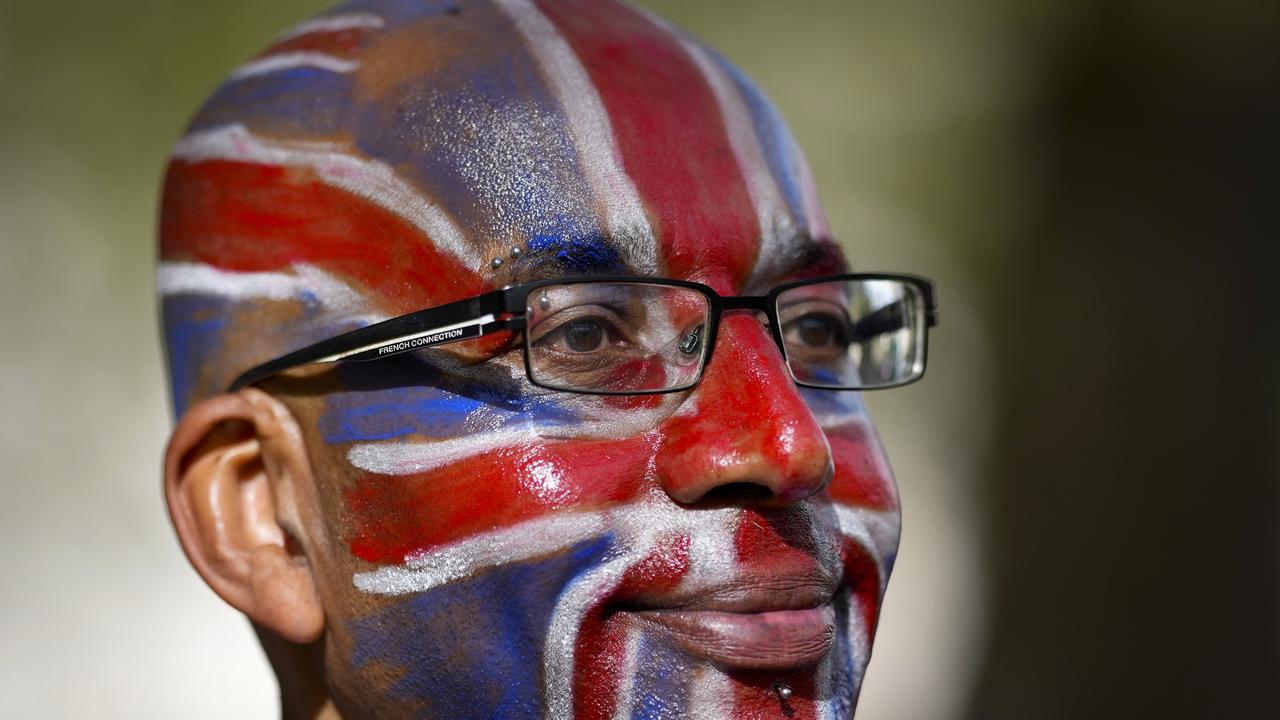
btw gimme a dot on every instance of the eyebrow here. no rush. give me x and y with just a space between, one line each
815 257
552 256
549 256
801 257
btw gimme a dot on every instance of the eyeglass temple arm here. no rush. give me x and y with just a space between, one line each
454 322
887 319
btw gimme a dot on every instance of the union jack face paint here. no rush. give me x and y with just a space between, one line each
483 547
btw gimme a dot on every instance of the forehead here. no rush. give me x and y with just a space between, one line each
519 122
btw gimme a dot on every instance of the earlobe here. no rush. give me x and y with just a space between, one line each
230 466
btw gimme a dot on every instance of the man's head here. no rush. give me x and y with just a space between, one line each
430 534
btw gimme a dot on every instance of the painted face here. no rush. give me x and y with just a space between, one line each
486 548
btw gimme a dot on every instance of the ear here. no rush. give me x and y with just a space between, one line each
232 465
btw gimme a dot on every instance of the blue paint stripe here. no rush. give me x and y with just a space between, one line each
485 137
298 103
194 328
833 402
660 688
569 254
472 650
430 412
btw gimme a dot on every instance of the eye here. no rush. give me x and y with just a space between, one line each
816 330
580 335
583 334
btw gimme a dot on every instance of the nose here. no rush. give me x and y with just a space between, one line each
748 437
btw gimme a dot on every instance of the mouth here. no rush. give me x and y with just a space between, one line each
780 623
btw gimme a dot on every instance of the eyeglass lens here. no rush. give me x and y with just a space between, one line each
628 337
616 337
853 334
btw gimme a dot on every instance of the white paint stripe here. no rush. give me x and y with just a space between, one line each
525 541
370 179
290 61
688 408
713 557
562 635
414 458
850 418
331 24
825 685
815 216
597 146
777 228
710 694
859 642
638 524
622 709
875 530
410 458
193 278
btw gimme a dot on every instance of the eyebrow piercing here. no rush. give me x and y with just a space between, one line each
497 263
515 252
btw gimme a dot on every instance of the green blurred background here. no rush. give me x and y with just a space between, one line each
1090 473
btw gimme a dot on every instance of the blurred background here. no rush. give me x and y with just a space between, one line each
1090 473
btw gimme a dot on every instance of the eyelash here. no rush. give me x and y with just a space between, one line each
557 323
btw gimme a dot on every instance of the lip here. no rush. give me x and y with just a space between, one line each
772 623
772 639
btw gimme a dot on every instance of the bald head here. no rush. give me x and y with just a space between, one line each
377 159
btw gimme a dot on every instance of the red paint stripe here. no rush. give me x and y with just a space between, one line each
599 661
248 217
339 43
862 574
776 544
392 517
671 135
754 697
863 477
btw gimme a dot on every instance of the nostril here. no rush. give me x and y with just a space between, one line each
736 493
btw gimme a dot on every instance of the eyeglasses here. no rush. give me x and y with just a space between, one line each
637 336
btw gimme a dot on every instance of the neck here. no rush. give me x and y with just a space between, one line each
304 695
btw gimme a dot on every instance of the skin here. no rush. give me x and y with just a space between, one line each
430 535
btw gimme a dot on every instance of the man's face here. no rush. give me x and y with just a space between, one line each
484 547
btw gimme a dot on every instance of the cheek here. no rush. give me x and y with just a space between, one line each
431 466
863 477
394 516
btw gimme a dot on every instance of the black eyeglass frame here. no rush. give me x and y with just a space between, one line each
504 309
